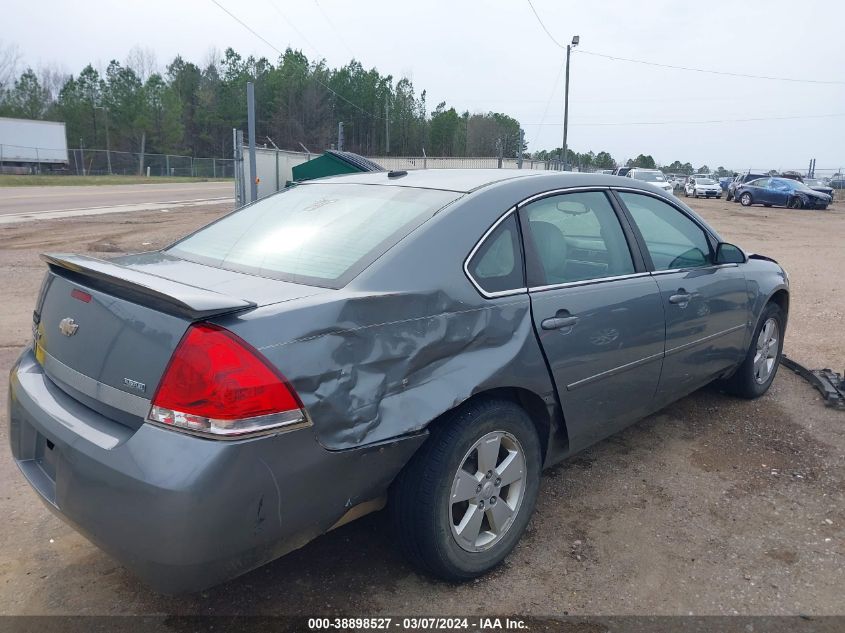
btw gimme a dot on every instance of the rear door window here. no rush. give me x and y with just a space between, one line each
317 234
576 237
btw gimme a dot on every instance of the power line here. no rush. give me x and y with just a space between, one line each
551 37
687 68
548 103
335 29
293 26
775 118
273 46
707 71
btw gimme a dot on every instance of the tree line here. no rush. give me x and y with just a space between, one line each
190 108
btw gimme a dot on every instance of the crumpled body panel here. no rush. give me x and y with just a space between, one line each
393 378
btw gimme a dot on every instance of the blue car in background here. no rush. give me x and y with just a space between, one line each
782 192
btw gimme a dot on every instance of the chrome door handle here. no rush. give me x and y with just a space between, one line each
680 298
557 323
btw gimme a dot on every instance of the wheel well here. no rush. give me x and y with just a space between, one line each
781 299
534 406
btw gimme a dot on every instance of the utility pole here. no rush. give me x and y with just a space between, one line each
575 40
340 136
250 106
82 156
386 128
141 155
108 144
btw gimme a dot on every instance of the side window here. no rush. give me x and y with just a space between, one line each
497 265
576 236
673 240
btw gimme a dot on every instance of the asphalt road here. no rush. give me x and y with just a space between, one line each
30 203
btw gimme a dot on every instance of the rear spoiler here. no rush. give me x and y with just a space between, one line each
166 295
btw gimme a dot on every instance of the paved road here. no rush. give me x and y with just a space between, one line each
31 203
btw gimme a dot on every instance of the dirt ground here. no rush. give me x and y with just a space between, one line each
712 506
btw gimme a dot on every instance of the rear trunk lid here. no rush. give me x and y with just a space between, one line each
105 330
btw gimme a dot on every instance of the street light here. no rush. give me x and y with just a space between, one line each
575 41
108 148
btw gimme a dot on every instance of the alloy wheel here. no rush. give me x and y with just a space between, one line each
487 491
766 355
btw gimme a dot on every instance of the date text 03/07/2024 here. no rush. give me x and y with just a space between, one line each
418 623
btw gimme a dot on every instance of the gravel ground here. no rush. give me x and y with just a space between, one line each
712 506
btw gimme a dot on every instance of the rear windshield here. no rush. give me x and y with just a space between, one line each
316 234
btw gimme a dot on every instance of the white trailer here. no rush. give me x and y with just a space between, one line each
25 143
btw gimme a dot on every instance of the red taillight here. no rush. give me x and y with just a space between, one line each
219 384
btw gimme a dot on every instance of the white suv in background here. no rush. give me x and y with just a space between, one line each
654 176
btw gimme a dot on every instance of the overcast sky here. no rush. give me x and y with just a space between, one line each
495 56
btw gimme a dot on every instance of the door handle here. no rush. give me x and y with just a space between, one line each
680 299
558 323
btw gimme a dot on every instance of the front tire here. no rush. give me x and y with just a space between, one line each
758 370
746 200
463 501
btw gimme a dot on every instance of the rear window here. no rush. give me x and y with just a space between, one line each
316 234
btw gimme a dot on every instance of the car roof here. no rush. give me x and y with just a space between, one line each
460 180
468 180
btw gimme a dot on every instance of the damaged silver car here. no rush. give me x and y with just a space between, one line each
430 340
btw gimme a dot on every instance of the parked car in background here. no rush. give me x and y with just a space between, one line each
306 359
817 185
792 175
653 176
724 182
702 187
741 179
782 192
622 171
837 182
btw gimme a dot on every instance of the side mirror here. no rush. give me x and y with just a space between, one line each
729 254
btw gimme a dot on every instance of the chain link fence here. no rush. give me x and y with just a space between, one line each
98 162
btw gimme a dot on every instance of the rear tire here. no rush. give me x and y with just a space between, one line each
746 200
438 534
795 203
758 370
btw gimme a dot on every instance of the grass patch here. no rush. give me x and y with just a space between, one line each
14 180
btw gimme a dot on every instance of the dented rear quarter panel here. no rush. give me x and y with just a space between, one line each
408 339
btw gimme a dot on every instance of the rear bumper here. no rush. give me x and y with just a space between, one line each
185 513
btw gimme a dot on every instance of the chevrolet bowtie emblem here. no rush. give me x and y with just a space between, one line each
68 326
